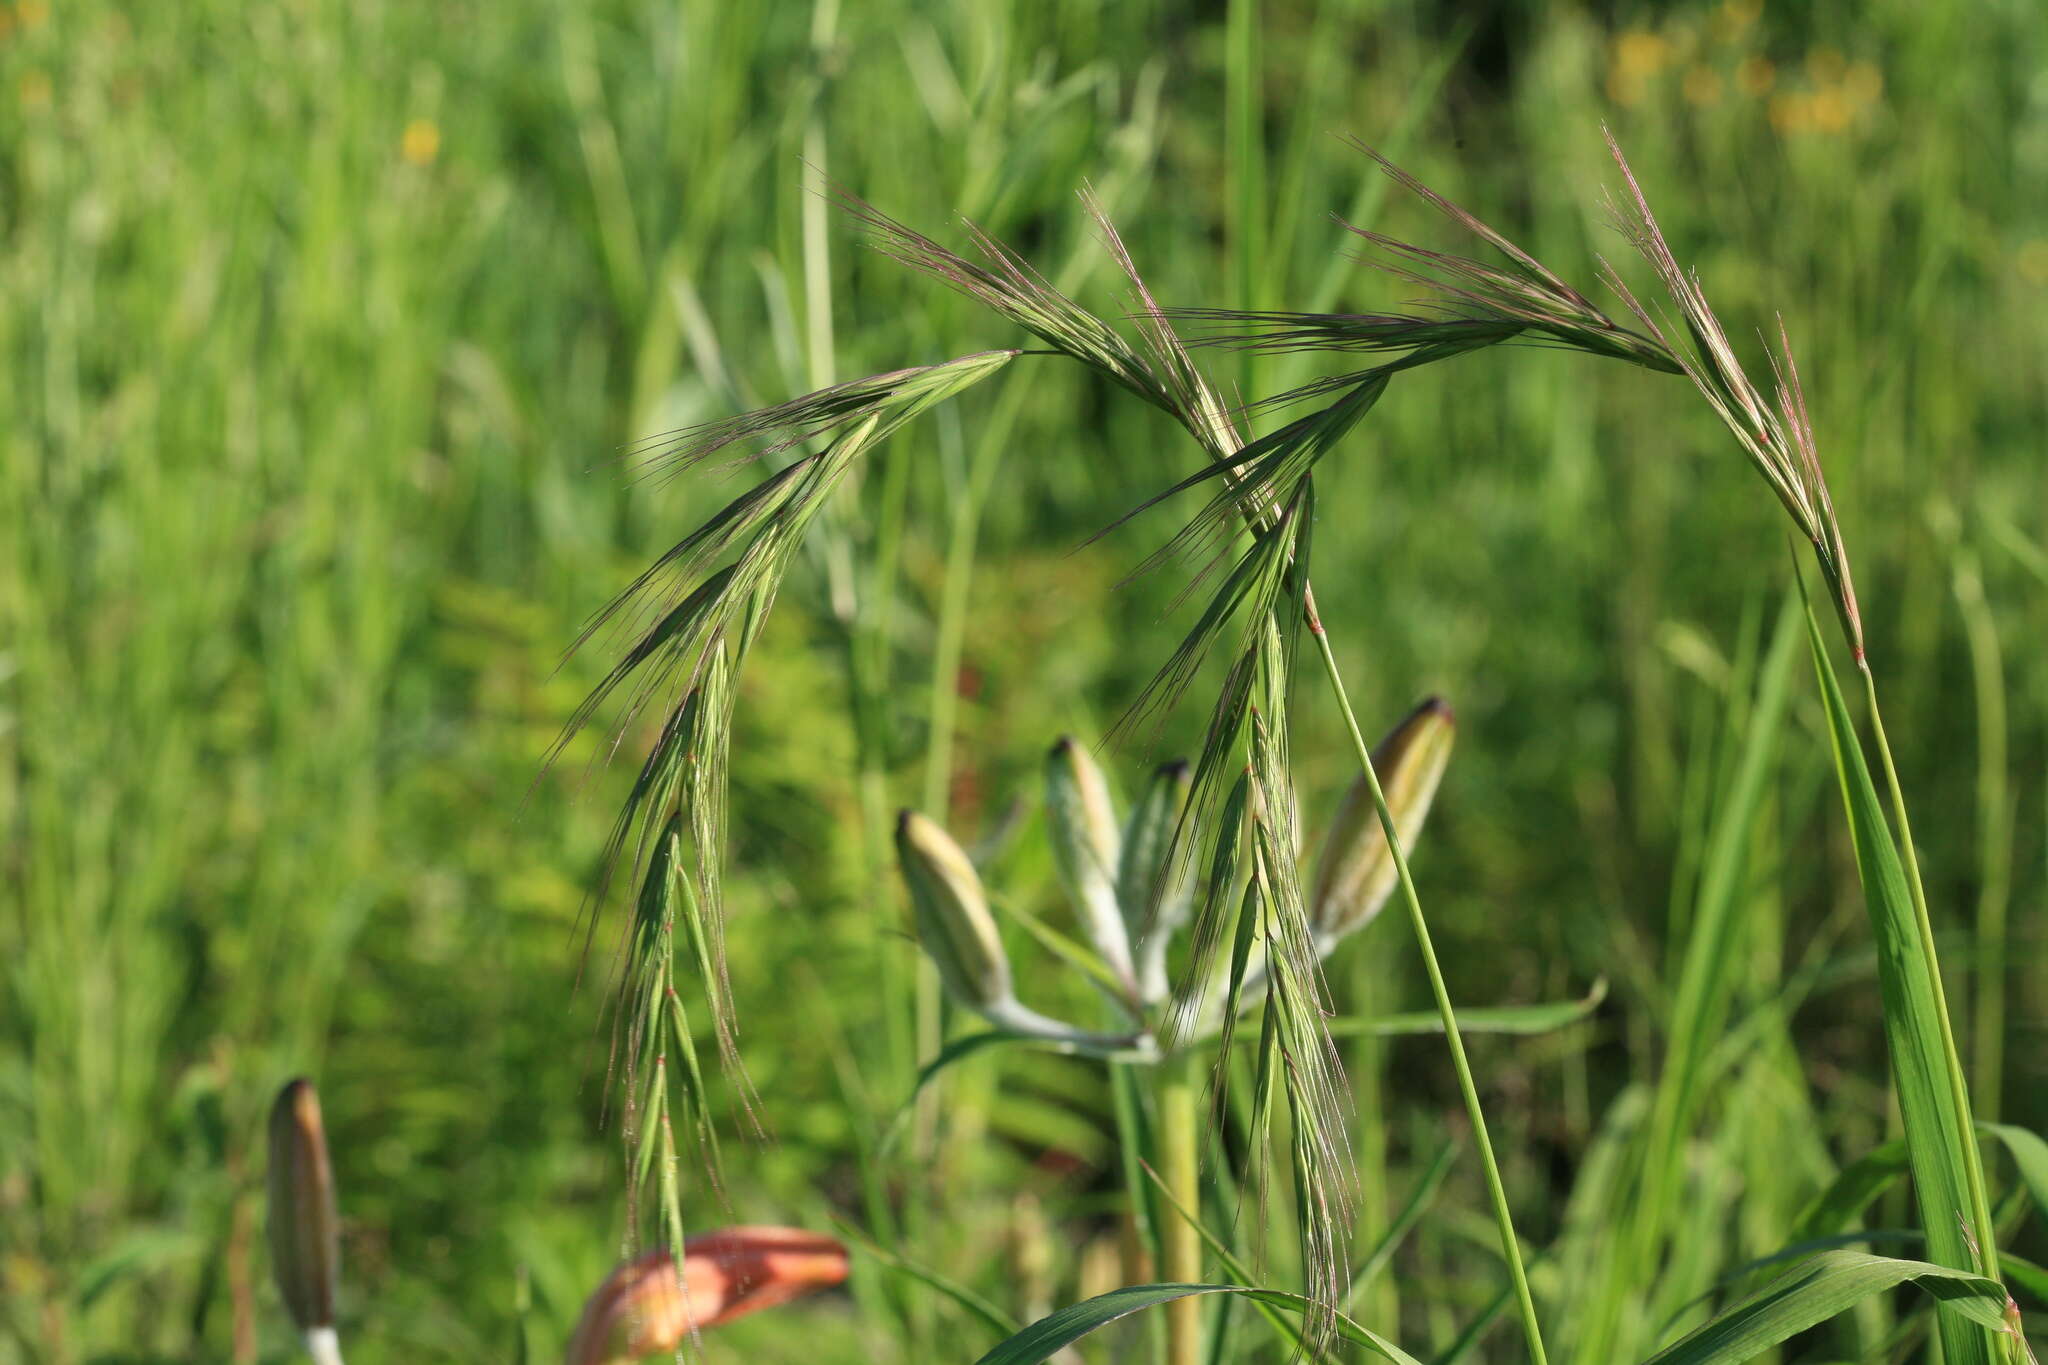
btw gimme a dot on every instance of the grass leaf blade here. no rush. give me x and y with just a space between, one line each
1830 1283
1911 1017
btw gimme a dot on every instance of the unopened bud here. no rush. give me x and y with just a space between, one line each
1088 848
646 1307
1155 900
1356 873
305 1231
953 921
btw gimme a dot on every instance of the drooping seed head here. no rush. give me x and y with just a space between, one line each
305 1231
1356 873
645 1307
954 925
1088 848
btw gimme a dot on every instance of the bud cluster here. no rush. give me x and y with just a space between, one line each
1127 885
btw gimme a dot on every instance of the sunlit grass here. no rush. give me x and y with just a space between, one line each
325 323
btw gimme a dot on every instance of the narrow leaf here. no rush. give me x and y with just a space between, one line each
1050 1334
1830 1283
1912 1019
2030 1155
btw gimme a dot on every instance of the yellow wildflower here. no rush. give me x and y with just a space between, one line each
421 142
1641 53
1636 57
1827 110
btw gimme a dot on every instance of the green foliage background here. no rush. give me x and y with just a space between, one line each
324 325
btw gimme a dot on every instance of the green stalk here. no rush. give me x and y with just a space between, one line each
1994 838
961 543
1511 1249
1179 1104
1973 1162
1244 106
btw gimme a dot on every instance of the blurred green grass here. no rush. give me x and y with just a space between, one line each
324 325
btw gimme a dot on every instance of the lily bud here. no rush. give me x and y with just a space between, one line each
1088 848
646 1307
305 1231
1356 873
953 921
1155 901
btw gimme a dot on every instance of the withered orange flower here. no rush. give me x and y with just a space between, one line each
645 1307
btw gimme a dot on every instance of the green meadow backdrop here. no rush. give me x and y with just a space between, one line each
327 331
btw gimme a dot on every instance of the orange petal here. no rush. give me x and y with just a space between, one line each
759 1267
644 1307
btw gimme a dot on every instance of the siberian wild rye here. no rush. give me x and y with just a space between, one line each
1486 305
1236 817
694 625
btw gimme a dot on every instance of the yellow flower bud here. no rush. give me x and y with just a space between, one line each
1356 872
1088 847
953 921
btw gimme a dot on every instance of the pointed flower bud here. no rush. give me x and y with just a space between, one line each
646 1307
953 921
1155 900
305 1231
1356 873
1088 847
959 935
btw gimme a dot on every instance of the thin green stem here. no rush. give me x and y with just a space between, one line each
1244 104
1994 840
954 591
1973 1162
1179 1106
1511 1249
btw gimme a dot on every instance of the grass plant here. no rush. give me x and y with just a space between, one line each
339 341
1250 617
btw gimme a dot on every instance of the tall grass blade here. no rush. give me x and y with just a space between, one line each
1051 1334
1512 1020
1927 1102
995 1318
1853 1190
1830 1283
2029 1154
1229 1259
